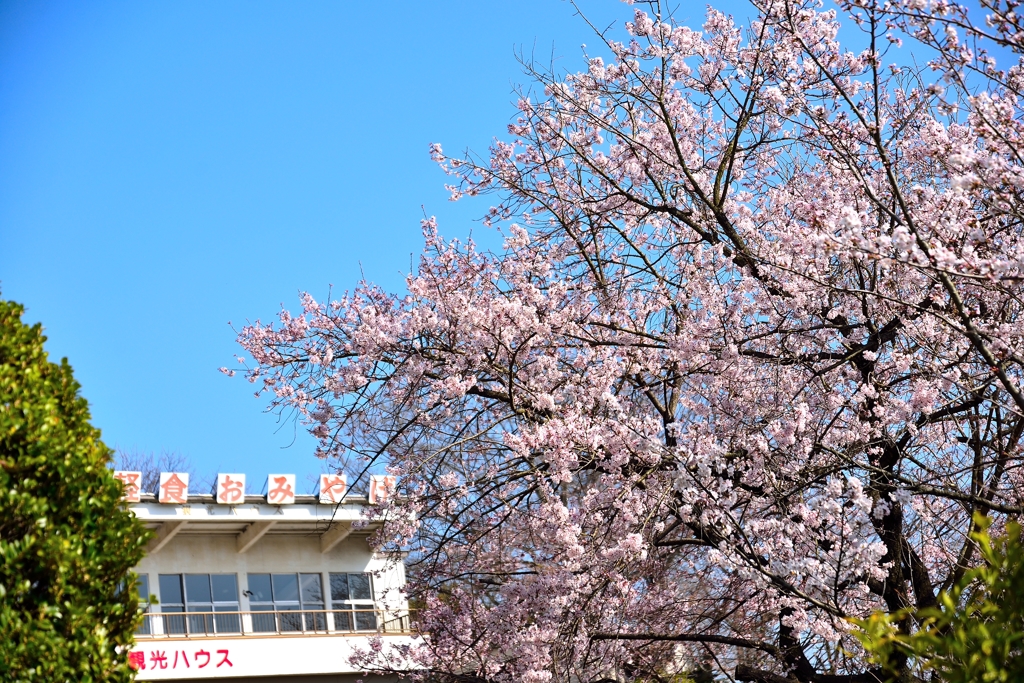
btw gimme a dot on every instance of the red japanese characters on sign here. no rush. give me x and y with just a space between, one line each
178 659
332 488
281 489
381 488
230 488
136 660
132 485
173 487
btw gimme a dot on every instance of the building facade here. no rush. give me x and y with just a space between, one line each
262 588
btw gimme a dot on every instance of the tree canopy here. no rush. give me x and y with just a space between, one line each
67 545
746 366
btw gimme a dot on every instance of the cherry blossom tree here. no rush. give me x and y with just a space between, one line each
748 361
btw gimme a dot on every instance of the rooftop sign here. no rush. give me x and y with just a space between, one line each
332 488
230 489
132 484
381 488
173 487
281 489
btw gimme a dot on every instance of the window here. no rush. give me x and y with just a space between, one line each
201 596
142 586
352 602
295 600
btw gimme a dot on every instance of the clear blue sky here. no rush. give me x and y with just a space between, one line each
167 167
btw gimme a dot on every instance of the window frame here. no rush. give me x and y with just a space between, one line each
354 614
299 615
201 620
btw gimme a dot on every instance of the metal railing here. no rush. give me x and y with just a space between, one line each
274 622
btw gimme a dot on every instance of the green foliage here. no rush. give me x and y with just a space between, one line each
976 632
66 543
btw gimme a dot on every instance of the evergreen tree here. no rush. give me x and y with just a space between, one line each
67 545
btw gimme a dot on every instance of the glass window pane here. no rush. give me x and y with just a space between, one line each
259 586
286 588
311 588
342 620
227 623
264 623
173 624
366 620
339 586
200 624
225 588
142 586
316 621
197 588
359 586
289 621
170 589
146 627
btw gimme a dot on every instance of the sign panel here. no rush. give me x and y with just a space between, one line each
167 659
132 483
281 489
230 489
160 658
173 487
381 488
332 488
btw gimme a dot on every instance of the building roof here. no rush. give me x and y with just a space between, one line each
252 519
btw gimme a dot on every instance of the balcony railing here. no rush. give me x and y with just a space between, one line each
270 623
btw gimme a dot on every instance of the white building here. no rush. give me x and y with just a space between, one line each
261 588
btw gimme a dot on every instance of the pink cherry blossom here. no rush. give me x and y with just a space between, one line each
749 359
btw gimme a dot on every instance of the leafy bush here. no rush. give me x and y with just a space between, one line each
66 543
975 634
